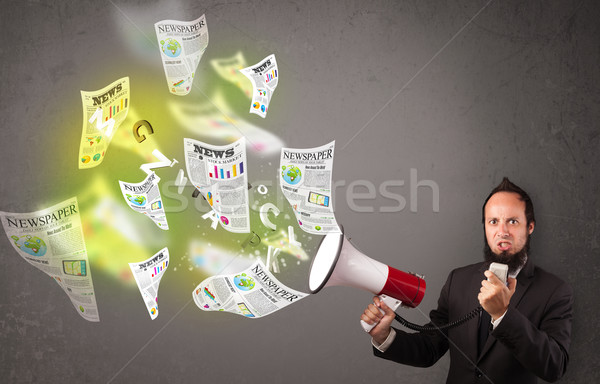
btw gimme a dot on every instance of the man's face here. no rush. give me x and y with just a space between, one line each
506 228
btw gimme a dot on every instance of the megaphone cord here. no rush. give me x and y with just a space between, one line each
433 328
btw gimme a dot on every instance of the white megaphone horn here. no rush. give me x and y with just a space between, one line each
339 263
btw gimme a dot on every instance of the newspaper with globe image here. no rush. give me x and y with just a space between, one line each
147 275
181 45
264 77
145 198
52 241
219 172
306 183
103 112
252 293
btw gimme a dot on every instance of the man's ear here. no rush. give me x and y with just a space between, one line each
530 227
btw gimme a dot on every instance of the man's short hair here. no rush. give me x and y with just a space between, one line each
508 186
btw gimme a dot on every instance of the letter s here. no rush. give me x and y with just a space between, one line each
388 194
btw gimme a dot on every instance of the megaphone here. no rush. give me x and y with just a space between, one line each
339 263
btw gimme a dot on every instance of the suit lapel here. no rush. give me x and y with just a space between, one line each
523 281
473 325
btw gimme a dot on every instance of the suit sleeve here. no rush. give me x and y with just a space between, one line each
422 349
542 349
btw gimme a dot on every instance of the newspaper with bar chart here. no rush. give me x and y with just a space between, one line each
103 112
219 173
264 77
147 275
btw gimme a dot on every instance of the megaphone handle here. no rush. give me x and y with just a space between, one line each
390 302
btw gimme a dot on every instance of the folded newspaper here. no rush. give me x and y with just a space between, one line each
252 293
182 44
52 241
306 184
264 77
103 113
220 174
147 275
145 198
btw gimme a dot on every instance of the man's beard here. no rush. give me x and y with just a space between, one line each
514 261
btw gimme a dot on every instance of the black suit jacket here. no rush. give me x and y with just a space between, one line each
531 341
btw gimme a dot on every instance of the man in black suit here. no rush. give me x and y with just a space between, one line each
524 330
